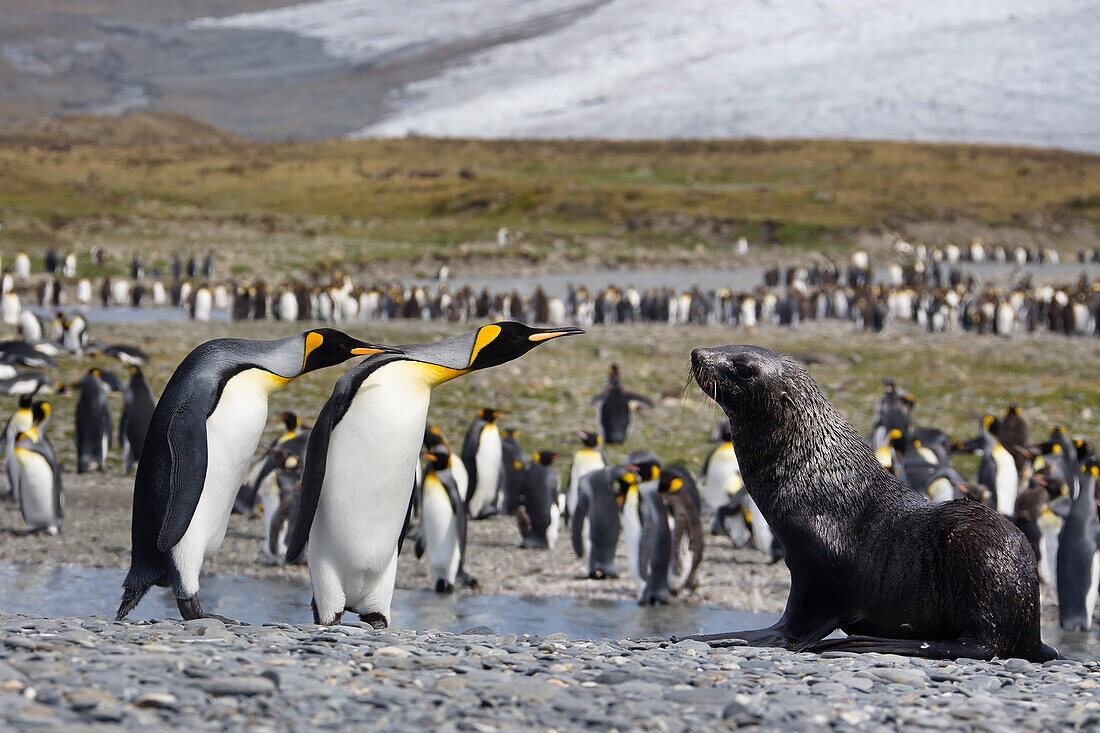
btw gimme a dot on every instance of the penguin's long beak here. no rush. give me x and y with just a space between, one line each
553 333
368 350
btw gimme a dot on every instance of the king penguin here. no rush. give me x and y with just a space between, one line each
1078 565
203 433
595 525
38 477
483 454
137 410
93 424
20 420
677 487
614 407
433 436
647 538
588 459
292 441
539 513
997 469
515 463
721 472
442 522
361 459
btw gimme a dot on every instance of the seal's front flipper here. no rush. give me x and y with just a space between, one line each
943 649
770 636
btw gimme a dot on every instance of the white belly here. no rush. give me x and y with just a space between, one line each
1007 481
632 534
584 463
1091 596
1048 550
233 431
761 532
368 482
488 460
36 490
941 490
723 477
440 532
458 473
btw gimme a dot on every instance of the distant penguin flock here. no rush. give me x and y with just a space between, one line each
371 459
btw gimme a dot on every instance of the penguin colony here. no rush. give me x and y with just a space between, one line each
927 286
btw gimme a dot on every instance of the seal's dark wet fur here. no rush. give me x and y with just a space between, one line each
866 555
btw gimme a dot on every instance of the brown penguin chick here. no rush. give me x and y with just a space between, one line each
1015 436
881 563
681 496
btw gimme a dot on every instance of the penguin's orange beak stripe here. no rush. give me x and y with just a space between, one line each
364 351
536 337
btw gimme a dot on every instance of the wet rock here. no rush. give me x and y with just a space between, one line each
244 686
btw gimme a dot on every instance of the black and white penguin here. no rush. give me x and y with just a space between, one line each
515 463
614 407
539 513
681 496
361 460
129 355
18 423
595 525
137 410
647 539
433 436
483 455
292 441
721 473
200 440
997 470
586 460
93 424
278 502
442 521
1078 565
38 476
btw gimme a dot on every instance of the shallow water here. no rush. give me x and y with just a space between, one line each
78 591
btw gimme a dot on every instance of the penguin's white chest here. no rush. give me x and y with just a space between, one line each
632 537
36 489
1007 481
723 477
232 432
488 459
440 531
369 474
584 463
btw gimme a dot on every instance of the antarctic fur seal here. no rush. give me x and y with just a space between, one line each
897 573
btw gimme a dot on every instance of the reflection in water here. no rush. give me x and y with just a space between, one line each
77 591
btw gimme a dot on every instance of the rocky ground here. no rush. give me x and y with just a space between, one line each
61 673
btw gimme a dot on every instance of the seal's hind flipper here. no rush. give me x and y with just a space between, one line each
943 649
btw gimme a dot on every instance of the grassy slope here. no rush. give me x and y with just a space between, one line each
299 205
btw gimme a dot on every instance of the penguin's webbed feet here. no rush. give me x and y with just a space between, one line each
190 609
466 580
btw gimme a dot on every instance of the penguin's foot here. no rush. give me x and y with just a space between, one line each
442 586
466 580
375 619
190 610
603 575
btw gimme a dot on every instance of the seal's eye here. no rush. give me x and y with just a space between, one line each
743 371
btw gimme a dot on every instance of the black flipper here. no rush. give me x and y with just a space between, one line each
313 477
405 528
459 509
577 523
187 446
943 649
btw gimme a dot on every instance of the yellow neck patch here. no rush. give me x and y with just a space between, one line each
313 340
485 336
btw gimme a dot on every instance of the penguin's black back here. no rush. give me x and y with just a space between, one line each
137 410
540 491
93 419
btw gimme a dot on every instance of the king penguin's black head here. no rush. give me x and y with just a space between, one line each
590 440
325 347
502 342
437 458
546 458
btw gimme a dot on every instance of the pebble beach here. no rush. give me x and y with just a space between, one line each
93 673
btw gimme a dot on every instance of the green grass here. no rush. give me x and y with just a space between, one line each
401 200
956 379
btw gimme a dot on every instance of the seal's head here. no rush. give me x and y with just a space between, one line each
748 380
